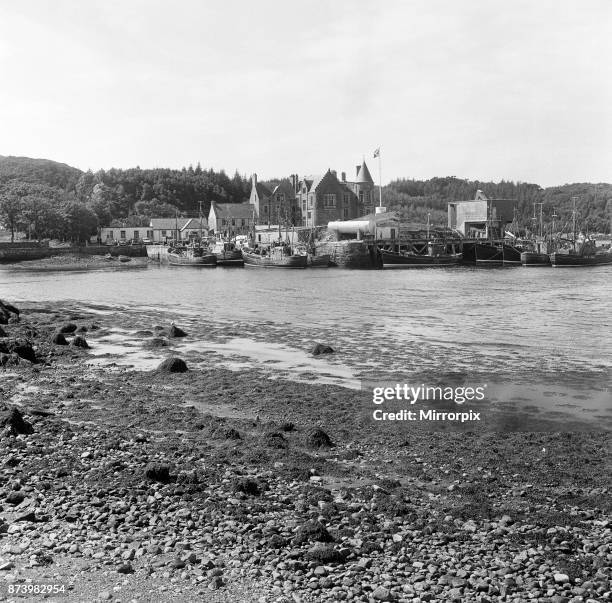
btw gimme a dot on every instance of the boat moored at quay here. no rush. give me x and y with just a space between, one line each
276 256
191 256
227 253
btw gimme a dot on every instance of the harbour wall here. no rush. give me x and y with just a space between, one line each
351 253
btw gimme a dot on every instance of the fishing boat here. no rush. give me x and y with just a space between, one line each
191 256
535 258
277 256
536 251
227 254
491 253
436 255
586 254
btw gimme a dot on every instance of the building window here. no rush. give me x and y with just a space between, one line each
135 235
265 208
367 197
163 233
233 222
150 234
345 213
243 222
309 215
304 205
360 196
329 200
310 200
345 199
280 197
122 234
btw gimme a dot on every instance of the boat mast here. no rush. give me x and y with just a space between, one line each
574 220
200 221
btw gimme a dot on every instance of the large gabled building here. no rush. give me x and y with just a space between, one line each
325 198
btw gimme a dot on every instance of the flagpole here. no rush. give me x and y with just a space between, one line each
379 180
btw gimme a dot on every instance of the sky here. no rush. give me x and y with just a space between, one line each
478 89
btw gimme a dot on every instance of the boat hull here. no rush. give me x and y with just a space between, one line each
571 260
491 254
533 258
229 258
319 261
208 260
258 261
393 259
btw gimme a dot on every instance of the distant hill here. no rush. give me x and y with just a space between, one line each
39 171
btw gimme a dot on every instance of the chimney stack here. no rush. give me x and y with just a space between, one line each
343 176
254 179
334 173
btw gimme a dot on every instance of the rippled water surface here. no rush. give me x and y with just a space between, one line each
544 331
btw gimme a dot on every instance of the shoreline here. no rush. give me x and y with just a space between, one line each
74 261
255 503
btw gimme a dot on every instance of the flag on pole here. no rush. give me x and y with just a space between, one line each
377 152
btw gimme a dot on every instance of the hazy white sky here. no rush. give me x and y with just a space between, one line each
480 89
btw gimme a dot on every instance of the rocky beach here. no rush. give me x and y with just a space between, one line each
188 483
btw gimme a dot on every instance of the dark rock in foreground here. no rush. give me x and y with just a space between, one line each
22 347
247 486
67 328
312 531
80 342
173 365
13 419
320 348
59 339
158 473
8 312
15 497
175 331
317 438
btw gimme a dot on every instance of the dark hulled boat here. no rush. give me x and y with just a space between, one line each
227 254
191 256
535 258
587 255
278 256
436 256
491 253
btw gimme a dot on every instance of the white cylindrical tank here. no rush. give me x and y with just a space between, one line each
353 226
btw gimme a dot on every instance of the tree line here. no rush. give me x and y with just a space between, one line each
415 199
46 199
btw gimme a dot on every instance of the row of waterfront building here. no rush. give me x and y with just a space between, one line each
310 201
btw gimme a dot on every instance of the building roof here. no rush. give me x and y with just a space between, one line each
262 190
194 224
168 223
233 210
363 174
